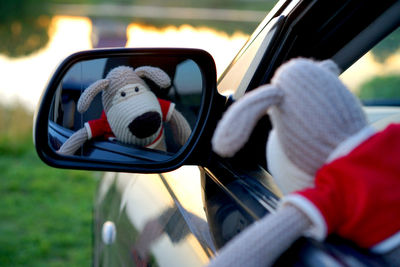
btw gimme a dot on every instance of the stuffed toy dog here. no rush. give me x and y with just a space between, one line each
132 113
338 174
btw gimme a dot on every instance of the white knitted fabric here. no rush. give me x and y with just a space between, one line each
317 113
159 145
263 242
131 105
316 120
126 96
155 74
235 128
286 175
310 109
119 77
74 142
289 177
180 127
89 94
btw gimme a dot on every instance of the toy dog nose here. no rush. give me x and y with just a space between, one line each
145 125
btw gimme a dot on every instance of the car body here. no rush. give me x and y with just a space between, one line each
182 217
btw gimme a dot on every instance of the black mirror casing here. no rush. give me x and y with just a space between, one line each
197 149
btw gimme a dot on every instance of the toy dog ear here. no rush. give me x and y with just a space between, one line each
238 122
157 75
88 95
331 66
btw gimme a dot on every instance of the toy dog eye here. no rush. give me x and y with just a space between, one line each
123 94
136 89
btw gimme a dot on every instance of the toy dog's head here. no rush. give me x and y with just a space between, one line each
312 114
132 109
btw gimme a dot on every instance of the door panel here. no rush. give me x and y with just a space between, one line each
159 220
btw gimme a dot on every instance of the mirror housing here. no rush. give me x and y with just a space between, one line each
114 156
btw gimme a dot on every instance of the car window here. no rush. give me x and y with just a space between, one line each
238 75
375 77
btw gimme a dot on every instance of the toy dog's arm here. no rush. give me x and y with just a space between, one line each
74 142
180 127
264 241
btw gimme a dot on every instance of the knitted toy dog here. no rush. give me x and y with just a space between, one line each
337 174
132 113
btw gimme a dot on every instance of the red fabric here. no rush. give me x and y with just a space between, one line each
359 194
165 108
100 127
158 138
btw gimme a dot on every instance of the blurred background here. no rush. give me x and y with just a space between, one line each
46 213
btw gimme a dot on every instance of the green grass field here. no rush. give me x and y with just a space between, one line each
46 213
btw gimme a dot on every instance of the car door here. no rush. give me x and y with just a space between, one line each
151 219
193 211
239 190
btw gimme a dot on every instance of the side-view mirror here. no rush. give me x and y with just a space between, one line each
133 110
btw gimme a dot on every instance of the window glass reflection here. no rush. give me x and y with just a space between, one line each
135 102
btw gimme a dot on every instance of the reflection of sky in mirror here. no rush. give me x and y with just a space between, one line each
188 78
86 72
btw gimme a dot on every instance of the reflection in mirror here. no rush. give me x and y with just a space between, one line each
123 107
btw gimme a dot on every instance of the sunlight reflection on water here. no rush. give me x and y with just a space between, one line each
26 76
220 45
367 67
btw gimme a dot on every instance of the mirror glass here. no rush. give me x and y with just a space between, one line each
124 108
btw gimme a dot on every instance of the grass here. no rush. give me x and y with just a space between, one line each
46 213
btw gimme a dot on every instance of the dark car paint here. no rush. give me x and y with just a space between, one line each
238 191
